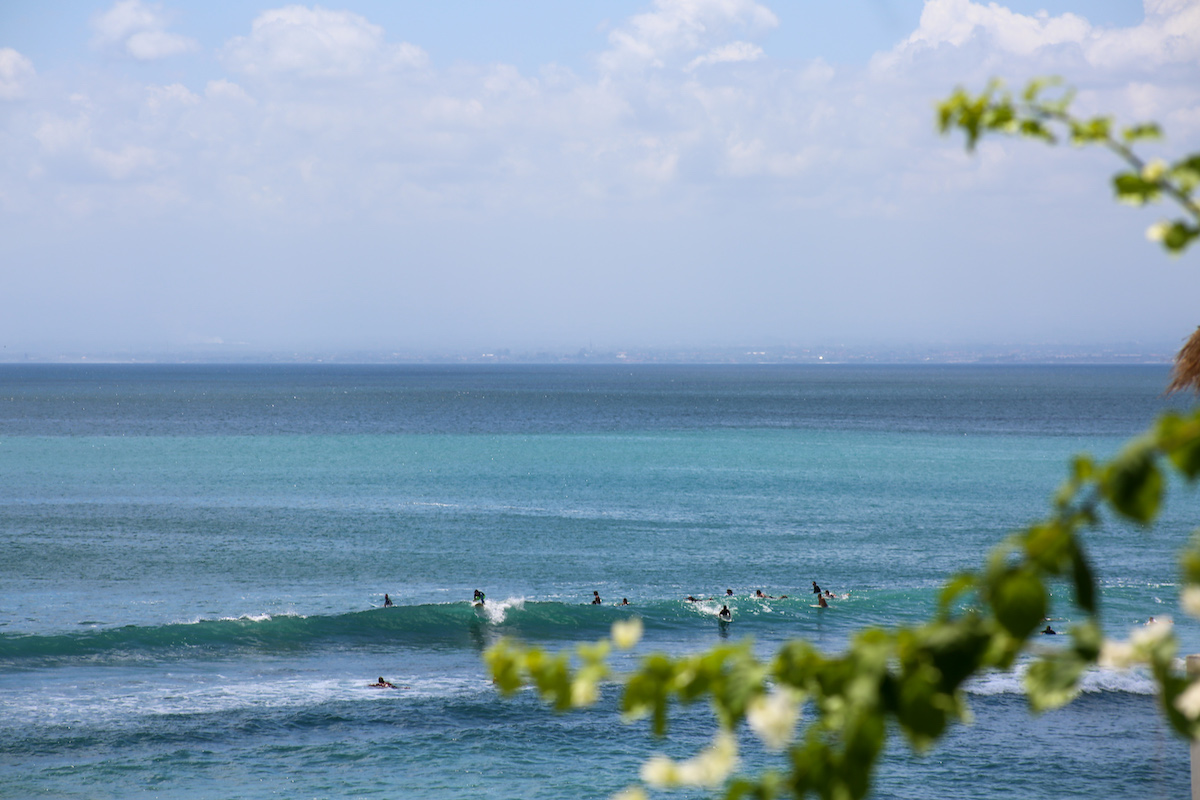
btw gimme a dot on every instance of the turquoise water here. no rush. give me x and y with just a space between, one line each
193 560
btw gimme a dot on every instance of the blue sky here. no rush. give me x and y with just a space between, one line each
402 176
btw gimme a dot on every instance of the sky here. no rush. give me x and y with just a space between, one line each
251 177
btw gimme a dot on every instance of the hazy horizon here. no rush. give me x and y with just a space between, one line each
232 178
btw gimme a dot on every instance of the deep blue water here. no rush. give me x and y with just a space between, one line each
192 560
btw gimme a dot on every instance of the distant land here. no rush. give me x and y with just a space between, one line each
830 354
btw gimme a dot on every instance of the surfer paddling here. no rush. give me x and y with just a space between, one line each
724 615
382 684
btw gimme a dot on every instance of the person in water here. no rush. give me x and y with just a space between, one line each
596 598
725 615
691 599
624 601
479 597
382 684
1049 631
387 601
816 589
821 601
729 592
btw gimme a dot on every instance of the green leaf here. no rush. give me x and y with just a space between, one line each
1087 639
1135 190
1036 86
1133 485
1180 440
955 588
1053 682
1179 235
1019 600
1189 560
1085 582
1147 131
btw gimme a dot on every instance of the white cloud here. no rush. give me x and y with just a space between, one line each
15 72
328 131
140 31
681 28
728 53
315 42
1169 34
492 136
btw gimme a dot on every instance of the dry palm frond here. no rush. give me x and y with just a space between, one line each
1186 374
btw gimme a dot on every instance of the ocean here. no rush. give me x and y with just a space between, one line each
193 562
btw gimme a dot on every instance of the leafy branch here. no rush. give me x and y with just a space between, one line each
1037 116
1048 118
912 677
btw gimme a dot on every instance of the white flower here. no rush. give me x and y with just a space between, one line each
708 769
1190 600
1151 633
660 772
584 692
630 793
1154 170
627 633
1117 655
773 717
1157 232
1188 703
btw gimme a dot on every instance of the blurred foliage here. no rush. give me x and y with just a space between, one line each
1038 114
911 679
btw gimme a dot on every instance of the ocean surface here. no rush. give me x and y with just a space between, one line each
193 562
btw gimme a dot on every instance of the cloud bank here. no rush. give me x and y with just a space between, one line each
764 174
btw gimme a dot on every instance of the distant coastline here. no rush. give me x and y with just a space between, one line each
1131 353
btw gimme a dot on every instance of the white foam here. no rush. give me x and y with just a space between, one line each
496 610
1095 680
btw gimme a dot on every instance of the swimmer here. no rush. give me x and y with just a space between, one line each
387 601
821 601
1049 631
479 597
624 601
596 599
724 615
382 684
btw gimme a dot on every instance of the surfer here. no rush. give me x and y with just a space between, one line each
821 601
816 589
724 615
624 601
479 597
387 601
691 599
382 684
1049 631
729 592
596 598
